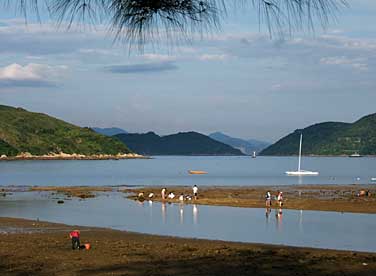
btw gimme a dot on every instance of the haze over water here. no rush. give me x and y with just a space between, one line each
173 170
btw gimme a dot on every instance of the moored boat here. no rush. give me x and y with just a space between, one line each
197 172
300 172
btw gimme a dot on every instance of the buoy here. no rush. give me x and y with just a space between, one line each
87 246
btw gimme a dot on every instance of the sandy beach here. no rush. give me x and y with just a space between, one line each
40 248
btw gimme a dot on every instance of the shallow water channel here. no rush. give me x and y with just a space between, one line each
347 231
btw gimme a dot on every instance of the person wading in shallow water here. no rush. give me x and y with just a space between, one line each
75 237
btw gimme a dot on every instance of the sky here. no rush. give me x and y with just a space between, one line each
239 80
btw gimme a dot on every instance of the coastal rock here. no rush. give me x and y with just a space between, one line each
73 156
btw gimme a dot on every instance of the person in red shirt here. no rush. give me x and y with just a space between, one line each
75 237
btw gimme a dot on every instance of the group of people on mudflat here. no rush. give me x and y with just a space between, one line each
171 195
278 198
268 204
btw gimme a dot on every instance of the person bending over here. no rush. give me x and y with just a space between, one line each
75 237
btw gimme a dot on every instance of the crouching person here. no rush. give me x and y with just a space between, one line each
75 237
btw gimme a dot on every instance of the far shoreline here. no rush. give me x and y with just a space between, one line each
68 157
74 156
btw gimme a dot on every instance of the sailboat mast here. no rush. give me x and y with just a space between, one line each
300 151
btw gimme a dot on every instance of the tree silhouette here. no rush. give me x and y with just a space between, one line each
142 21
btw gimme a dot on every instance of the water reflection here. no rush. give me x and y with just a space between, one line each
278 216
208 222
140 202
267 213
195 214
179 208
267 216
164 215
181 213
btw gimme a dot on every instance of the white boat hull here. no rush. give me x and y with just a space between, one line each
298 173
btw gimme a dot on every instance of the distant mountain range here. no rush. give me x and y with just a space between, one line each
330 138
110 131
39 134
182 143
245 146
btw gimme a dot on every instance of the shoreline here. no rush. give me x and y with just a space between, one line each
64 156
331 197
44 248
53 157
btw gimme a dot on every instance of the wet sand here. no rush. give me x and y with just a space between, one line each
44 249
76 191
310 197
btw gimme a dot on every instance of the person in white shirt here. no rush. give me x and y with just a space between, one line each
163 193
280 199
195 191
181 197
171 195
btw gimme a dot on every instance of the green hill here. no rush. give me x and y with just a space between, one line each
330 138
38 134
183 143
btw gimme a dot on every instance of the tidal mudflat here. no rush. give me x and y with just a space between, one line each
114 210
47 251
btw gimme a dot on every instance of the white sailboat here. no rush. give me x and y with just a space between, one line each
300 172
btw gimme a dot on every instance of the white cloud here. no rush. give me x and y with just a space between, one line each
32 74
48 39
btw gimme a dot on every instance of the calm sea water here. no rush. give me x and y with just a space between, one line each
173 171
298 228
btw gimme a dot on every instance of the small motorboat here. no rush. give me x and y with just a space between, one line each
197 172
